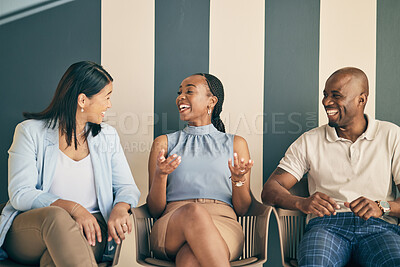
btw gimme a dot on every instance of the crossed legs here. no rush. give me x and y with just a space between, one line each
197 232
193 239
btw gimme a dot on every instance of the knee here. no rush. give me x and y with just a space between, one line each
56 216
193 214
319 247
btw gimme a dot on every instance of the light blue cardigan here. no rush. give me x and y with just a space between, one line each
32 162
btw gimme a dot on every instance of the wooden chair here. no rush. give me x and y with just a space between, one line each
135 249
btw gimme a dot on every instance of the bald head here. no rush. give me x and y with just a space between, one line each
354 77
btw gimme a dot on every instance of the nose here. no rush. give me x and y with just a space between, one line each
326 101
109 104
181 96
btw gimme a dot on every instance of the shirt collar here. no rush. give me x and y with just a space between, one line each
200 130
369 134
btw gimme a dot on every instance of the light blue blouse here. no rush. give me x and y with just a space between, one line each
32 162
203 171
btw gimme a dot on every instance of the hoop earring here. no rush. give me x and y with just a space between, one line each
82 110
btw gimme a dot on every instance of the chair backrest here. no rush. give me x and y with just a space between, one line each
291 226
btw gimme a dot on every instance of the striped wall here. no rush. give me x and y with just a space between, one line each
273 57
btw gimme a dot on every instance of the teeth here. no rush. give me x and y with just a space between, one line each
103 113
331 112
183 106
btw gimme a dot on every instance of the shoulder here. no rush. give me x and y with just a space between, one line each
107 129
32 125
162 139
239 142
387 126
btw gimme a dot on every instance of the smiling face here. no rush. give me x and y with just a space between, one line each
344 100
96 106
194 99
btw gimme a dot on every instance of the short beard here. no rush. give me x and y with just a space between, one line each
333 124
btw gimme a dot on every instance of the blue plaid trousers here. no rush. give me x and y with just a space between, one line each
331 240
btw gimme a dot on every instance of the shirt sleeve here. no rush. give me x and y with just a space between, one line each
396 158
124 187
24 187
295 161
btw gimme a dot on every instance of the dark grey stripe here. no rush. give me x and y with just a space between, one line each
291 75
181 49
35 51
387 61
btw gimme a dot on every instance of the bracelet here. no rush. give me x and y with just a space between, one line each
238 183
76 206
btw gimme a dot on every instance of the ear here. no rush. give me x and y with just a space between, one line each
82 100
362 100
213 101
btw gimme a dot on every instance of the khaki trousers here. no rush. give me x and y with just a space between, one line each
50 237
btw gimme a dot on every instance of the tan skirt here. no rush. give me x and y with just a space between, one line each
223 216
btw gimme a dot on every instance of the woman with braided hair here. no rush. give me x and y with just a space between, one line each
199 180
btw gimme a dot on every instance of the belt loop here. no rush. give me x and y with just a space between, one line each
201 200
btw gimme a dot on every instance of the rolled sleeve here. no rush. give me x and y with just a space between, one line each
295 161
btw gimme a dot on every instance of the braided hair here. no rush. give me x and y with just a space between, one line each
217 89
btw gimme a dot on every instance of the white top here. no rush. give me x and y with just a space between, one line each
345 170
74 180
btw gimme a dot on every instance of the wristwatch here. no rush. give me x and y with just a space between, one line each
384 206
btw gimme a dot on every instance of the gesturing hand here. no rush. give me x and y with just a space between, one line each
239 168
319 204
119 222
364 208
88 224
167 165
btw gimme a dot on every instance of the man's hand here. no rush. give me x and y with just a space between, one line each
364 208
319 204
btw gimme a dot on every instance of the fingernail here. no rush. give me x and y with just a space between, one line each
235 154
250 161
338 207
242 160
174 155
179 158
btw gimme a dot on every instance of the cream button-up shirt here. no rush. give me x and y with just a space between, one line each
344 170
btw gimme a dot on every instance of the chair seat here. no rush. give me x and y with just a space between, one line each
163 263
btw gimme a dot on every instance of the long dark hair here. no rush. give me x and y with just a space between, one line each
217 89
84 77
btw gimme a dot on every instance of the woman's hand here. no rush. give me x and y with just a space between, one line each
239 168
87 223
164 165
119 222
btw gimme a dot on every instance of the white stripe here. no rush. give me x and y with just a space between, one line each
347 38
127 41
237 58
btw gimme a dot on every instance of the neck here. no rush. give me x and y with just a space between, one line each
353 130
200 123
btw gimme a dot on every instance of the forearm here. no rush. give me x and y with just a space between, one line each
69 206
157 197
275 194
395 208
241 199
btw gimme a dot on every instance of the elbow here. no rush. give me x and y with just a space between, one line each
267 197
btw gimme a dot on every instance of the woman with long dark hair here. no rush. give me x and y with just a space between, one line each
70 185
199 180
